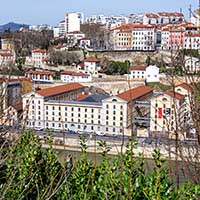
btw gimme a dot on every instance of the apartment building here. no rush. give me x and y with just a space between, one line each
167 113
70 76
192 41
143 37
35 112
73 38
90 65
73 22
192 64
6 58
84 112
40 76
38 56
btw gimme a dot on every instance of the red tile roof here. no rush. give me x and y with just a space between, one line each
5 54
168 14
138 68
91 59
39 51
82 96
152 15
135 93
175 95
40 72
74 73
192 35
132 26
52 91
186 86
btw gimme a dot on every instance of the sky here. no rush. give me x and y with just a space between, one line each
52 11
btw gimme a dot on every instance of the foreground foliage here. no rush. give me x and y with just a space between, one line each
29 172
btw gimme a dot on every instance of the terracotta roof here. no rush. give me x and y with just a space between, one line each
135 93
52 91
140 68
39 51
81 65
132 26
91 59
152 15
40 72
175 95
5 54
74 73
168 14
186 86
192 35
82 96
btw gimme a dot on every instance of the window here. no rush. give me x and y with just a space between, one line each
53 108
113 129
38 112
47 124
53 125
106 128
92 128
85 120
59 108
85 109
92 110
121 107
107 106
53 113
107 112
65 125
114 112
114 118
72 109
114 106
59 125
65 108
79 109
47 107
107 117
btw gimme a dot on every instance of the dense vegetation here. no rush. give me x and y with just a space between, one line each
30 172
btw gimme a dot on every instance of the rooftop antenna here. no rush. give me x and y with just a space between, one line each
190 11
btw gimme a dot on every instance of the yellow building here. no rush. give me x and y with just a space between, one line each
167 113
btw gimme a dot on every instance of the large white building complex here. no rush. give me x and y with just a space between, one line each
71 107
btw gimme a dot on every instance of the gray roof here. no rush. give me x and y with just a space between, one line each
95 98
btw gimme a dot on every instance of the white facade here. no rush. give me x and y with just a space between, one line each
192 64
74 37
69 77
61 27
192 41
73 22
56 32
85 42
40 76
110 115
152 74
6 58
165 39
90 65
143 38
38 57
148 74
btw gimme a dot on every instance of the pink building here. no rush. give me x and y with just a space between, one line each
176 38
